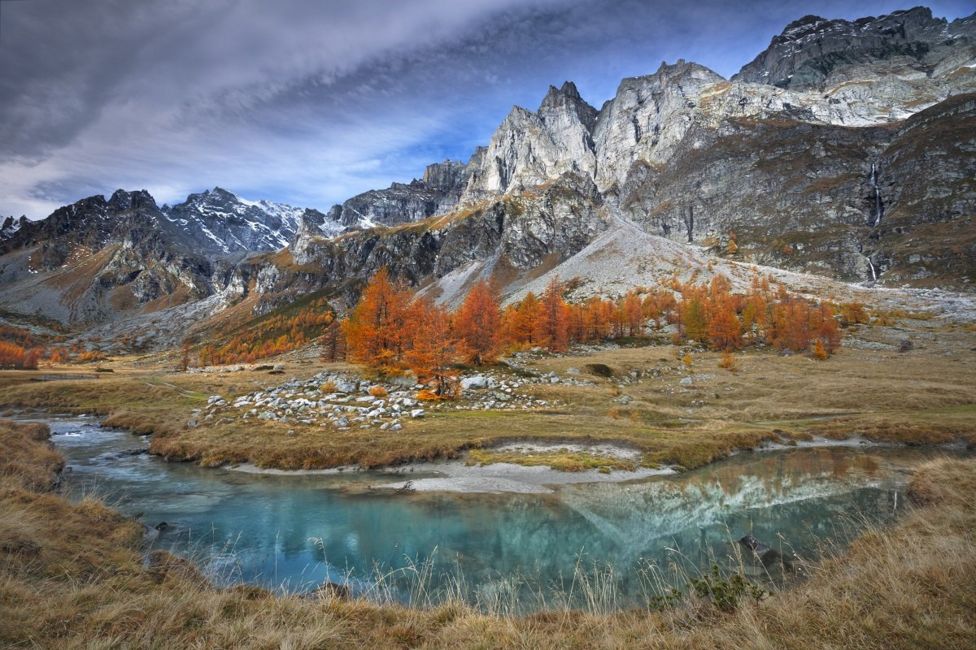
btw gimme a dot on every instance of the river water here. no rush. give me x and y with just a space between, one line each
622 540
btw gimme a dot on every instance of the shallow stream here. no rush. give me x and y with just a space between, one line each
525 551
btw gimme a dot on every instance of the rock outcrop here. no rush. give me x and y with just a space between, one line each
814 53
506 236
530 148
437 192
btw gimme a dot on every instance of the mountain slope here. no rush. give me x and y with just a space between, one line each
220 222
437 192
99 260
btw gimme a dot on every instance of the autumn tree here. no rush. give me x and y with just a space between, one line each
522 322
819 351
11 355
598 315
433 349
723 324
333 342
824 328
632 313
554 321
754 315
694 316
790 328
659 305
477 324
185 356
378 329
724 329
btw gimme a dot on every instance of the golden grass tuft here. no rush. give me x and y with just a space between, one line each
27 458
558 459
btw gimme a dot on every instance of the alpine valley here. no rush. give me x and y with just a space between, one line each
694 368
846 150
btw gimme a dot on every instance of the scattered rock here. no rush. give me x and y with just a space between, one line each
477 382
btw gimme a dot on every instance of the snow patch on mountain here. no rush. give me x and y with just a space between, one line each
224 223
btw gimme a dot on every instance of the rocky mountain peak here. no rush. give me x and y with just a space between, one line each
648 117
812 49
123 200
220 221
10 226
557 96
438 191
444 176
565 102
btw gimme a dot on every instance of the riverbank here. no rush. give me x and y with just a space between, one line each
71 574
642 398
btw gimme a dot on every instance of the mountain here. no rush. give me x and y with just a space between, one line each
223 223
845 149
437 192
99 259
9 226
814 53
529 148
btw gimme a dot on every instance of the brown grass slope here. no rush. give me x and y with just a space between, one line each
74 575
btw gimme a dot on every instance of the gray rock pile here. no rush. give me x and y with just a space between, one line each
345 401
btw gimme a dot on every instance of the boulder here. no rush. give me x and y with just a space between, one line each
476 382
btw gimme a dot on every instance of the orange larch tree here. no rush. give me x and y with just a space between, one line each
379 329
433 349
477 325
554 318
522 322
723 325
693 315
790 327
824 328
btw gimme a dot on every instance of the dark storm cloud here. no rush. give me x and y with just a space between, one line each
310 102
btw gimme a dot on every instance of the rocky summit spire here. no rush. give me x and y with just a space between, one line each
566 99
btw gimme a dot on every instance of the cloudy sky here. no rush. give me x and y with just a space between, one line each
312 101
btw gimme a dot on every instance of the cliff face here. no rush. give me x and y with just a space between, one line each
507 236
437 192
815 53
530 148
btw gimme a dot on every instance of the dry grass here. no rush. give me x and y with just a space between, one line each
73 575
563 460
927 395
27 458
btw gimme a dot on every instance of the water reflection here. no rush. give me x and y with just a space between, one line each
294 532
